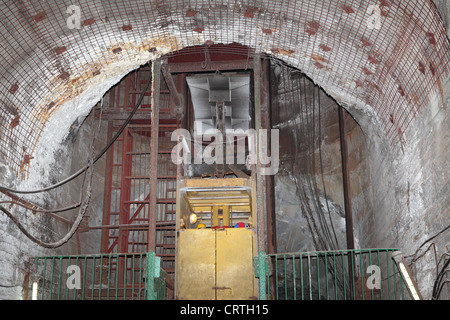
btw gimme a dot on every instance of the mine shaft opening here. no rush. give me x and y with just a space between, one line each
193 87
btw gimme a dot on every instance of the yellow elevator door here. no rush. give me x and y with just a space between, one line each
215 264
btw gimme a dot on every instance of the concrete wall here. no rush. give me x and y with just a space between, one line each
15 247
400 193
410 190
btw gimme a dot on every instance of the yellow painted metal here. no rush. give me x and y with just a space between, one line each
215 217
226 216
234 264
215 263
207 198
196 259
205 183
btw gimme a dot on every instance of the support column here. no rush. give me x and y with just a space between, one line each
347 196
259 178
226 216
346 181
108 180
155 104
215 216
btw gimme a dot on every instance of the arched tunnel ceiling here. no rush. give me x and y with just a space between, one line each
53 70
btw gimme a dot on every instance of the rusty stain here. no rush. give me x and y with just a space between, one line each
127 27
432 69
391 118
401 91
64 75
438 82
431 38
14 88
39 17
358 84
199 29
117 50
318 58
50 106
267 31
88 22
400 134
96 73
282 51
313 27
373 60
365 42
325 48
25 162
319 65
421 67
384 3
374 85
60 50
27 158
348 9
367 71
191 13
15 122
250 13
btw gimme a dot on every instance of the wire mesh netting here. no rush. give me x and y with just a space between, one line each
390 55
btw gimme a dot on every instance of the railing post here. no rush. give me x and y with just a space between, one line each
152 267
261 266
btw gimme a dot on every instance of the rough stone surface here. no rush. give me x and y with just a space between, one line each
400 192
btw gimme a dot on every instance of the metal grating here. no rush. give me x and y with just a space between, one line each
366 274
46 63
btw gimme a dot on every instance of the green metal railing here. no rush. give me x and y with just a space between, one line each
136 276
368 274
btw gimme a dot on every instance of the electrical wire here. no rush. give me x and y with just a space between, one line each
102 152
9 286
74 227
439 284
428 240
85 203
79 218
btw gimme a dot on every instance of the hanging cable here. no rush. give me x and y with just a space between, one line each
79 218
102 152
321 169
75 225
85 203
439 283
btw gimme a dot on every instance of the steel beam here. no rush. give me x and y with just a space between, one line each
211 66
267 124
155 102
257 76
346 180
